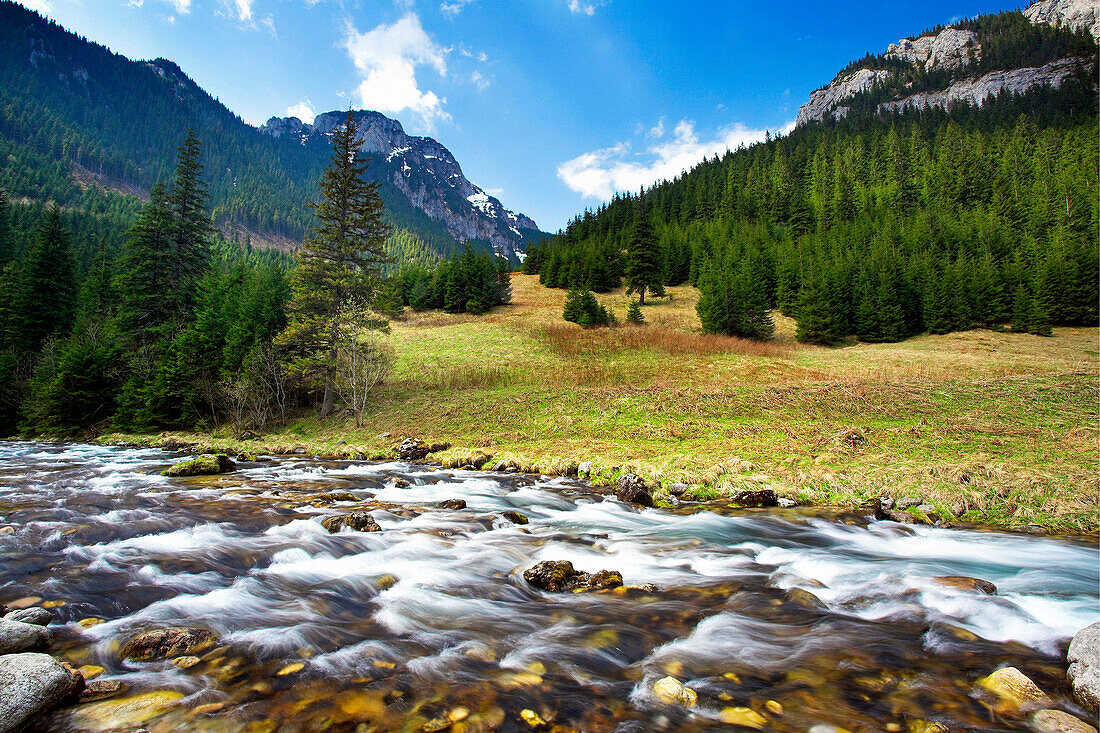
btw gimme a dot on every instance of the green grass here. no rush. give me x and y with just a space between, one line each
1002 425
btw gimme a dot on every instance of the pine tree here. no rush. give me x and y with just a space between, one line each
7 246
145 272
814 326
634 313
46 301
339 262
192 227
643 258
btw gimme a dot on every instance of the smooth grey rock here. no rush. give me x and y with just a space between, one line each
30 685
16 636
1084 666
33 615
584 469
678 489
786 503
903 504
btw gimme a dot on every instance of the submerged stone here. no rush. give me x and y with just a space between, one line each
1056 721
103 689
167 643
1013 690
515 517
964 583
126 712
745 717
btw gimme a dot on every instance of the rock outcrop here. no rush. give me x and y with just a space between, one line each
427 174
955 51
30 685
1075 14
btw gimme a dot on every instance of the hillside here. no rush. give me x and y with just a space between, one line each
888 221
79 123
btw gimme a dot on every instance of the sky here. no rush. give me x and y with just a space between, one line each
550 105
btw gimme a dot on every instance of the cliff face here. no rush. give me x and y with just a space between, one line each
427 174
954 52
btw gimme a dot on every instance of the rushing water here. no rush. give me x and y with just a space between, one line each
399 628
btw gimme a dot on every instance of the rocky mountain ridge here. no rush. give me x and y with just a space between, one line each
955 52
427 173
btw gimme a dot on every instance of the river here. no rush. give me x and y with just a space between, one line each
430 618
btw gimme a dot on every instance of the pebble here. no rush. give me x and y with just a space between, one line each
745 717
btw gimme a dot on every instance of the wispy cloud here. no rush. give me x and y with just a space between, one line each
40 6
577 6
453 7
387 58
479 81
244 9
601 173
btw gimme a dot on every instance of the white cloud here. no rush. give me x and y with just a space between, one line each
578 7
40 6
244 9
387 57
658 130
303 111
453 7
601 173
182 6
479 81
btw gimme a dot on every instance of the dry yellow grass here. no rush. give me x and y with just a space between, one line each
1001 424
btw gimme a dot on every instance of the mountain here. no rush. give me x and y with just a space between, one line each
426 173
91 129
967 62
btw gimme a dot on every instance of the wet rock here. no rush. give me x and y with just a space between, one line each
894 515
453 504
126 712
401 483
206 465
341 496
1056 721
786 503
33 684
358 521
515 517
560 575
964 583
745 717
103 690
678 489
631 489
761 498
671 691
16 636
806 599
1013 690
167 643
412 449
90 671
1084 667
35 615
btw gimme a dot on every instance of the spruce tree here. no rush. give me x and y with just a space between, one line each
192 227
634 313
46 301
644 271
339 262
7 246
145 272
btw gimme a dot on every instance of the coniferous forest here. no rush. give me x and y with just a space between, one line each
876 226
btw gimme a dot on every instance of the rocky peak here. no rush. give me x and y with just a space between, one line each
426 173
950 49
1075 14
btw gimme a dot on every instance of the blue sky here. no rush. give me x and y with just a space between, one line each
551 105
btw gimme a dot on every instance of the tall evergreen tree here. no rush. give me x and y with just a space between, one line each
340 261
644 271
46 300
192 226
144 274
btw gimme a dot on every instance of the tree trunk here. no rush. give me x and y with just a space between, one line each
641 297
326 403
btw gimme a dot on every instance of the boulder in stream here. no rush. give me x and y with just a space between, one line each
452 504
34 615
761 498
631 489
16 636
149 646
1084 667
205 465
514 517
560 575
963 583
358 521
413 449
30 685
1013 691
1056 721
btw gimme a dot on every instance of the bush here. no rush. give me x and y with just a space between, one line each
582 308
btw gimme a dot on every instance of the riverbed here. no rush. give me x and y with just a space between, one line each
806 619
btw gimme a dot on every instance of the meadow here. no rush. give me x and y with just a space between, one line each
989 427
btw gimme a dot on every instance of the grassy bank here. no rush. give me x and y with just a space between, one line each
1001 426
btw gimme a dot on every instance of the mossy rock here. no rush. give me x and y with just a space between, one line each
205 465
